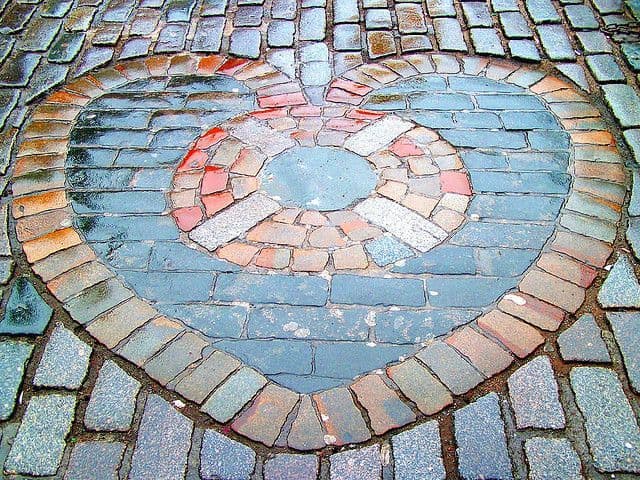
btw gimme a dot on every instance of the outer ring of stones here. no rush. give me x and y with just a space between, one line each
552 289
219 204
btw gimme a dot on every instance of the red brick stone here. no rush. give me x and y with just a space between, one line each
350 258
238 253
112 327
311 217
553 290
277 258
610 172
183 198
249 162
306 111
484 354
264 419
194 160
385 409
243 186
269 113
278 233
214 180
532 310
586 249
209 65
34 204
216 202
74 281
187 218
351 87
309 260
362 114
342 96
286 215
69 98
455 182
519 337
51 243
549 84
346 124
282 100
567 269
63 261
210 138
404 147
306 430
157 65
34 226
34 163
598 137
325 237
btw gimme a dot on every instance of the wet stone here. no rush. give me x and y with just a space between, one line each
163 443
582 342
26 312
107 35
621 287
581 17
18 72
612 429
363 463
99 460
292 467
92 58
341 417
40 442
482 444
534 396
271 289
65 361
552 458
13 360
40 34
594 42
113 400
631 52
418 453
46 77
352 289
626 329
221 457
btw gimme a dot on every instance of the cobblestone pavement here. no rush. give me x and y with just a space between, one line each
269 239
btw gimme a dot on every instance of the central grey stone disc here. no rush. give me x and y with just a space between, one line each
317 178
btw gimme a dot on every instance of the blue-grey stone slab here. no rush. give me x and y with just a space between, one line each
99 460
624 102
524 49
555 42
482 444
330 357
581 17
387 249
515 25
13 360
113 399
26 312
626 329
485 139
605 68
440 101
65 361
612 428
534 396
40 442
272 356
467 291
221 457
171 287
281 289
486 41
313 24
443 259
583 342
163 442
409 326
621 287
542 11
575 73
176 256
594 42
215 321
291 467
634 202
520 182
245 42
552 458
515 207
360 464
417 453
360 290
485 234
345 11
449 34
454 371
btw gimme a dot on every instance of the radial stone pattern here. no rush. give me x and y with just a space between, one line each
307 246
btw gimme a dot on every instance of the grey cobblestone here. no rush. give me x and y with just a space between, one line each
515 25
13 359
552 458
449 34
418 453
605 68
360 464
312 24
98 460
624 102
245 43
221 457
626 329
583 341
555 42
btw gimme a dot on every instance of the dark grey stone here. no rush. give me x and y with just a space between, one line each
40 34
66 48
329 358
360 464
482 444
19 70
13 359
163 442
248 16
552 458
467 291
282 289
612 429
291 467
221 457
626 329
583 342
113 400
621 287
417 453
99 460
214 7
135 47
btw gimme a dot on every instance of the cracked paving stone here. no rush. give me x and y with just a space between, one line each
291 467
482 444
612 429
113 400
621 287
221 457
360 464
534 396
341 417
163 442
582 342
26 312
40 442
13 359
417 453
626 330
552 458
97 460
65 361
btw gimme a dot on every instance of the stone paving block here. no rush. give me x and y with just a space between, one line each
233 394
612 429
608 6
583 342
542 11
221 457
377 18
245 42
65 361
341 419
631 53
486 41
13 359
285 9
605 68
553 290
555 42
625 326
40 442
294 467
360 464
594 42
441 8
96 300
624 103
280 33
26 312
149 339
386 410
552 458
581 17
99 460
420 386
113 400
411 18
352 289
176 357
312 24
621 287
466 292
417 453
197 385
482 444
306 431
453 370
346 37
484 354
517 336
534 396
345 11
163 442
524 49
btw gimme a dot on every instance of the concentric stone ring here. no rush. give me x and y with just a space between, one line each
283 354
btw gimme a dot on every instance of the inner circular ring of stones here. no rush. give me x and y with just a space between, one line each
447 366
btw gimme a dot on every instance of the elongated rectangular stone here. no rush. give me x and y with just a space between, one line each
234 221
377 135
354 289
282 289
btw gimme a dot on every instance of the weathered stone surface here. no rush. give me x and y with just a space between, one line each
360 464
621 287
113 399
294 467
626 329
342 421
583 342
221 457
233 394
552 458
454 371
99 460
420 386
13 359
612 429
418 453
26 312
